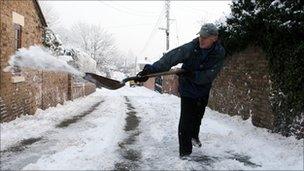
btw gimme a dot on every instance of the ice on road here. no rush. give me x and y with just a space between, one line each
136 129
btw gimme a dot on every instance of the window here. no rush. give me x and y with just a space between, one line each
18 33
18 21
17 45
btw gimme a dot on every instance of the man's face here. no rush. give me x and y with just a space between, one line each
206 42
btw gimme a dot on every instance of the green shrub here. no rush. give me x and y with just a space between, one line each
278 28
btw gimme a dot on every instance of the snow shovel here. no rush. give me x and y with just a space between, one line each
111 84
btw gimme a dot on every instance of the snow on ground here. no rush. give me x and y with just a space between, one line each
135 128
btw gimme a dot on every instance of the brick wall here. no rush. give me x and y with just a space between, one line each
150 83
82 89
243 88
41 89
89 88
78 90
54 89
17 98
170 84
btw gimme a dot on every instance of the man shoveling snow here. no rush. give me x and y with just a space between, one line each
203 58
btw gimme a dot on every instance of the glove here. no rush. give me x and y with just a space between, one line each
148 69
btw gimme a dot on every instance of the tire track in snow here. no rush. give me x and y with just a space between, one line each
131 156
25 143
74 119
15 158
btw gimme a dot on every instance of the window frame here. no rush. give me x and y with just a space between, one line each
17 45
17 36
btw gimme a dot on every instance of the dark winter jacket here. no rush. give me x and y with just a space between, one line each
204 64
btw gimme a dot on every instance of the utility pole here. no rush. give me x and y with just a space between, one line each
167 29
159 79
135 69
167 3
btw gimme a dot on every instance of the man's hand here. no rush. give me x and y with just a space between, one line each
148 69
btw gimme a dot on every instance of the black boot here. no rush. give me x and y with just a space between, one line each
185 157
196 142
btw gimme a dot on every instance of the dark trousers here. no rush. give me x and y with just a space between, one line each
192 112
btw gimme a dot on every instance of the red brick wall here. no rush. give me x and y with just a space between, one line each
150 83
243 88
78 90
47 88
54 89
17 98
170 84
41 89
89 88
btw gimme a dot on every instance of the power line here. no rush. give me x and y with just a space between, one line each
125 26
125 11
168 23
200 11
177 32
136 11
152 32
174 19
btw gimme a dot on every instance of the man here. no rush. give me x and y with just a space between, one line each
202 58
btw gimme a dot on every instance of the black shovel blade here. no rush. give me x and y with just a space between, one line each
101 81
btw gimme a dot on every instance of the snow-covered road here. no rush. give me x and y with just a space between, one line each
135 128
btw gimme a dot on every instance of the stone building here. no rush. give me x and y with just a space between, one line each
22 92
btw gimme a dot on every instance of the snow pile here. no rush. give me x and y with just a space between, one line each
36 57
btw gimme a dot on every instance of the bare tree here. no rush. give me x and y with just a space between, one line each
65 35
98 43
51 16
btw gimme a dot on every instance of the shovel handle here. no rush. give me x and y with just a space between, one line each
177 71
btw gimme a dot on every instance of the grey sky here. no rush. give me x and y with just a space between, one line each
133 23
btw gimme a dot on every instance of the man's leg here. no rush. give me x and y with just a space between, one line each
185 127
199 113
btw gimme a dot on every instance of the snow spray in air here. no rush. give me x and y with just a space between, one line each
36 57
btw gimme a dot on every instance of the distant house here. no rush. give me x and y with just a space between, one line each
22 24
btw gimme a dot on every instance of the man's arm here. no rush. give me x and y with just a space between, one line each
172 58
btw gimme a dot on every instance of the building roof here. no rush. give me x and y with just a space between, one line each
40 14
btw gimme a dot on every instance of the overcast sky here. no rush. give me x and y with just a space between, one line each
135 24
